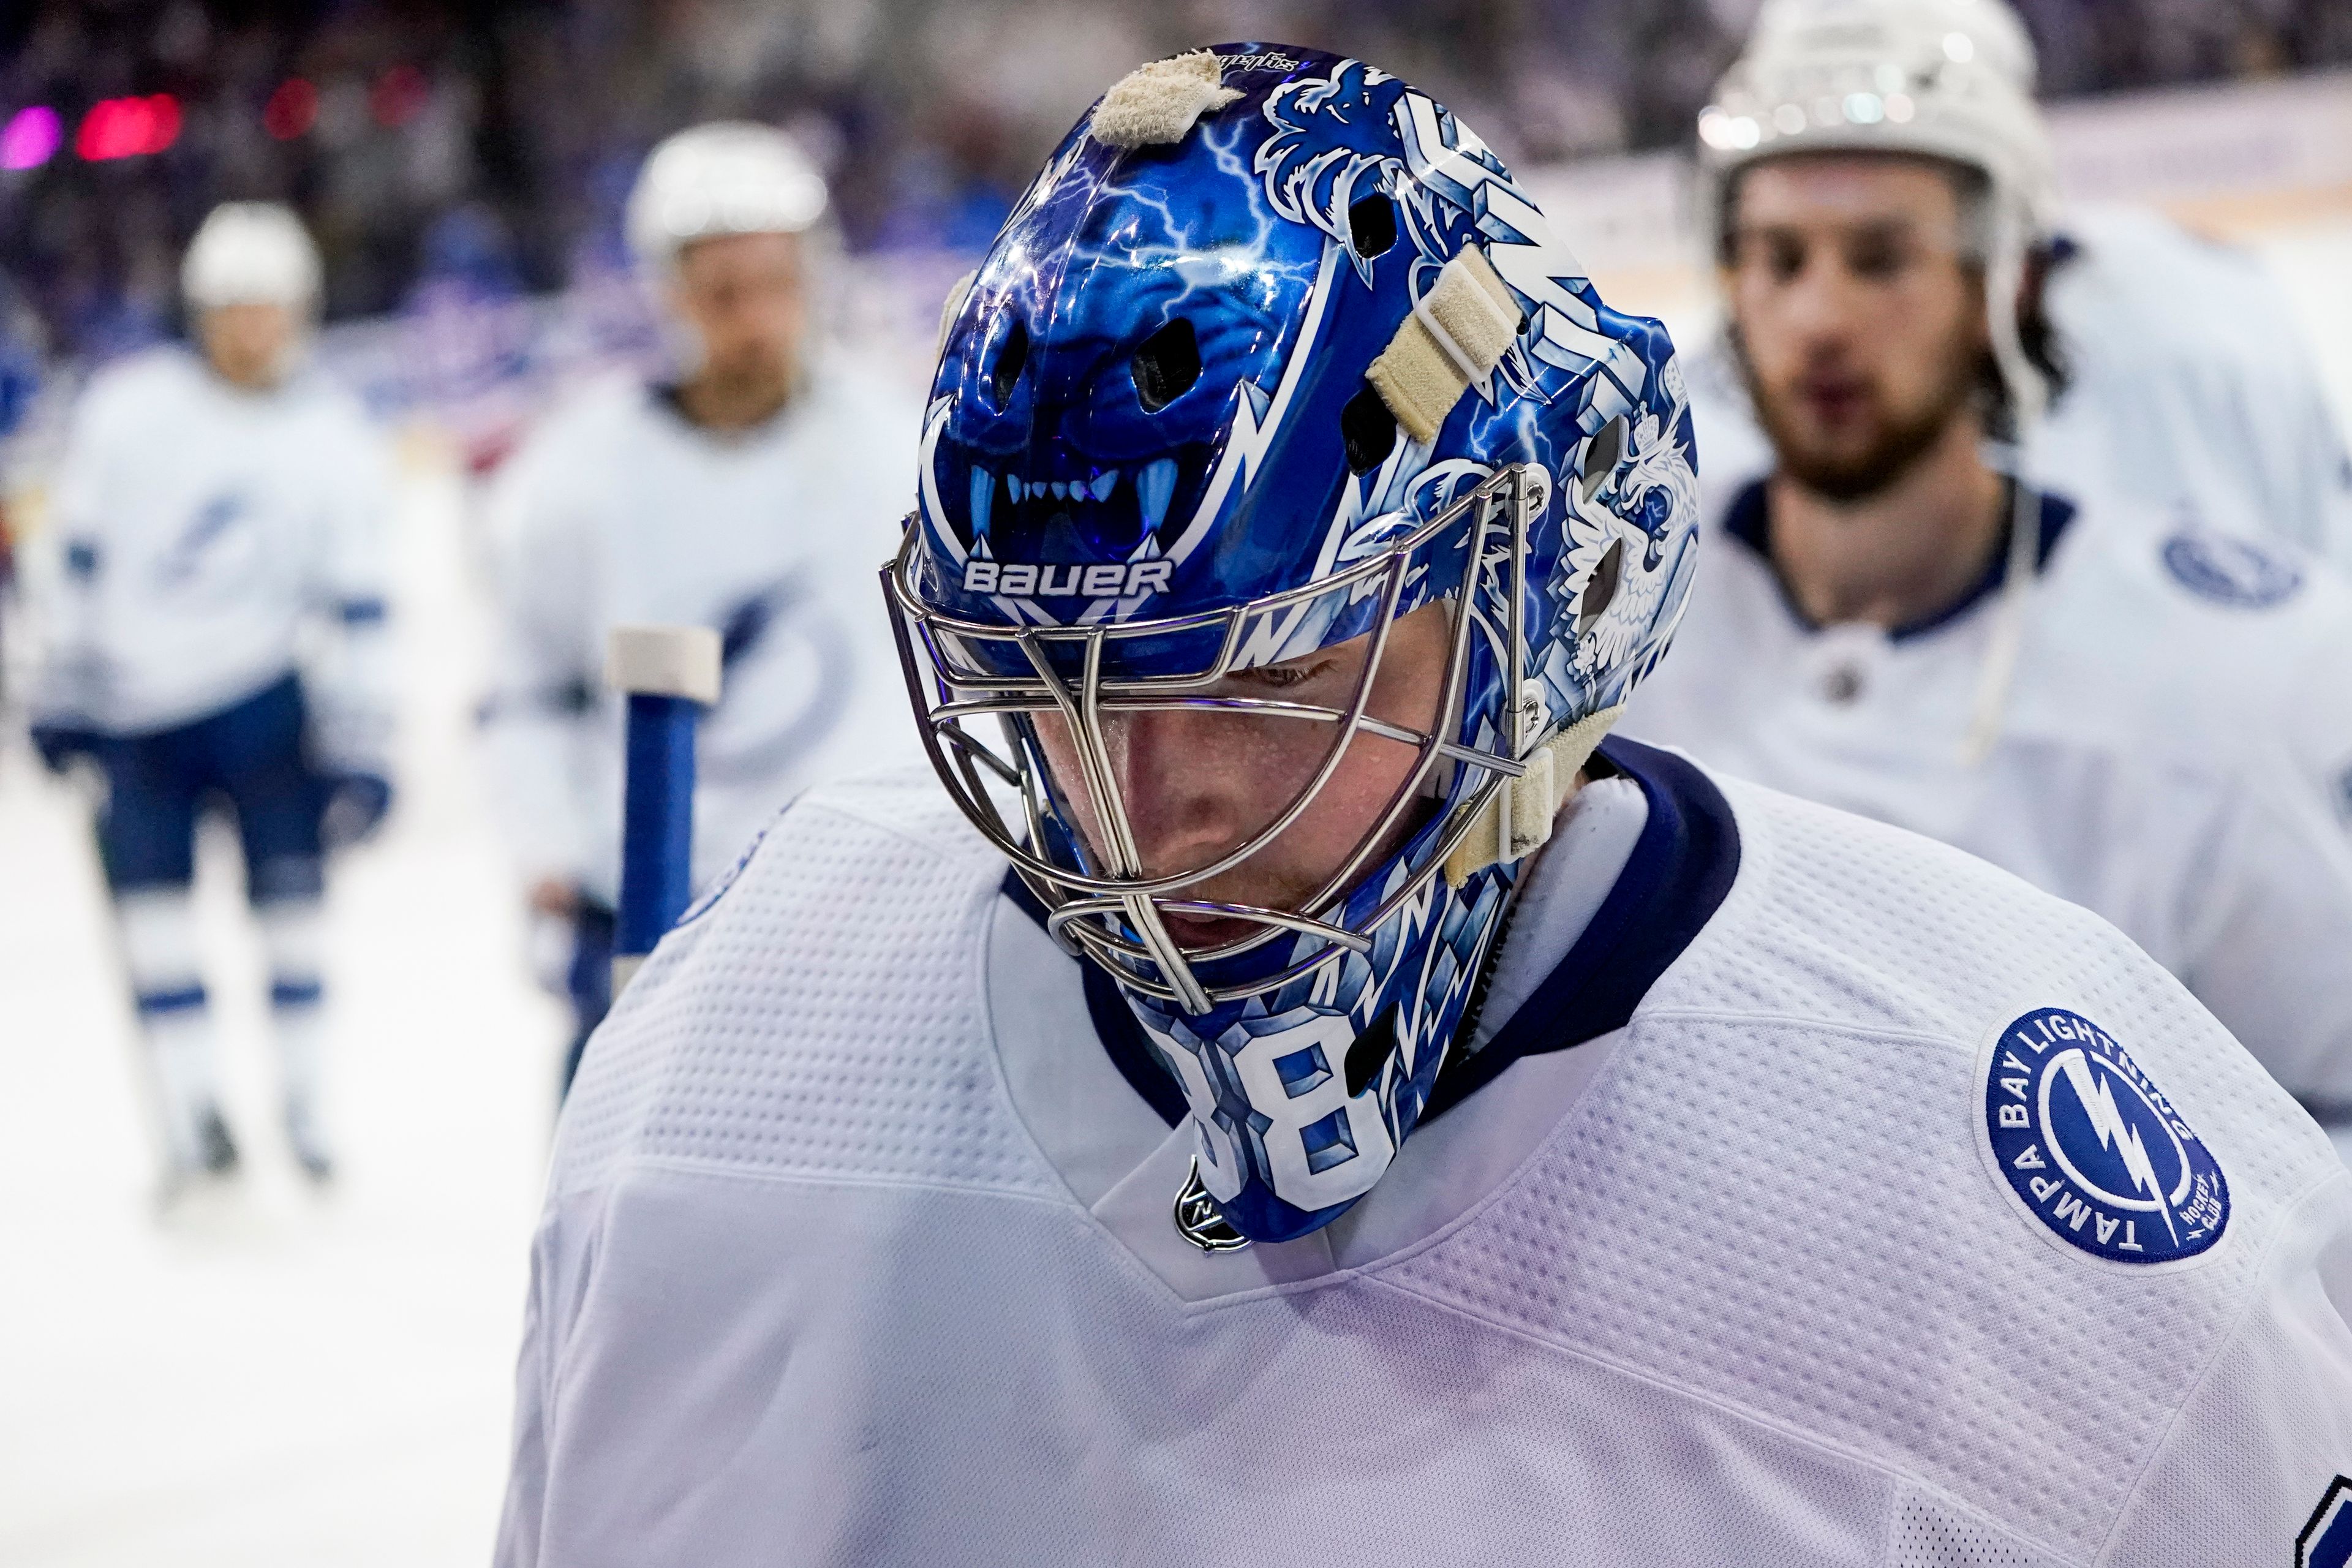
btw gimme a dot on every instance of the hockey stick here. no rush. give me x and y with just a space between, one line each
669 675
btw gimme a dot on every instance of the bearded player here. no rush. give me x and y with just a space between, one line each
2139 713
1308 1099
739 491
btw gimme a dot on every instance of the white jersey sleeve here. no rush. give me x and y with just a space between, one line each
2192 384
544 727
2252 1468
2267 933
68 685
351 676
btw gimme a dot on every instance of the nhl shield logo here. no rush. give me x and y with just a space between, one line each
2090 1148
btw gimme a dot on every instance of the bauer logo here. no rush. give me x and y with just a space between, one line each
2090 1148
1068 580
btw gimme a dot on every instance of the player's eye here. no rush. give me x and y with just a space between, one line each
1877 255
1284 677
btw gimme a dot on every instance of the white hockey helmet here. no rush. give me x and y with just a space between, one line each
726 178
1991 32
250 253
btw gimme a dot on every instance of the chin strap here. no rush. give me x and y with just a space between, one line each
1999 672
1517 819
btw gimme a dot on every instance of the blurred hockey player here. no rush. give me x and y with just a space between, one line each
753 493
2187 390
2093 699
1452 1143
219 638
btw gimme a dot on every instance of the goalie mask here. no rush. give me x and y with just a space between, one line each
1273 354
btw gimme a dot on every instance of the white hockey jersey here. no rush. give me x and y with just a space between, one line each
620 511
2193 385
205 534
858 1248
2155 761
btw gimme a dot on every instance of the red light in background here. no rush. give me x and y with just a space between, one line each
292 108
397 96
128 127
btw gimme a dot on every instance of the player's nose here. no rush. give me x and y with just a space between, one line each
1188 796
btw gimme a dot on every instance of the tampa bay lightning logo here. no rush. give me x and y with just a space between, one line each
2233 571
2091 1147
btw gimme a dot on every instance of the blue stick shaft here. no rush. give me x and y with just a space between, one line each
657 821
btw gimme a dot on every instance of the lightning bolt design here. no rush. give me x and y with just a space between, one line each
2116 1132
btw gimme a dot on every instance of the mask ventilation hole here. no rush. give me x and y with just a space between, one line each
1166 365
1370 1051
1600 456
1371 226
1600 588
1009 360
1369 429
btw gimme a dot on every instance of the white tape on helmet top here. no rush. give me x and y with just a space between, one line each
250 253
728 177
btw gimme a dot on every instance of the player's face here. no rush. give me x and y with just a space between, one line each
1859 322
744 297
248 344
1196 784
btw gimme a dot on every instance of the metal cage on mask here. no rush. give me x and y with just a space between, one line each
965 677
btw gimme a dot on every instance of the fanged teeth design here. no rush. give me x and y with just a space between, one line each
984 491
1154 488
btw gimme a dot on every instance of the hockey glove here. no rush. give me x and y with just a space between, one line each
59 744
357 803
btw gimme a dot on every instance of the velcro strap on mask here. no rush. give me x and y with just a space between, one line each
1158 102
1528 805
1456 334
956 292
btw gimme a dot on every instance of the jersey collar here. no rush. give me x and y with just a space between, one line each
1680 871
1750 520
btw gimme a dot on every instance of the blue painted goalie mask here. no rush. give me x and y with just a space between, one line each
1273 354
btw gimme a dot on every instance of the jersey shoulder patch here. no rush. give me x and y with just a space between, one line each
2093 1153
2223 570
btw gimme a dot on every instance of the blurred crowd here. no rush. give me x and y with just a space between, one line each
459 148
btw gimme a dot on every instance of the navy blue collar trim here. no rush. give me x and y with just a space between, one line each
1681 870
1750 520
